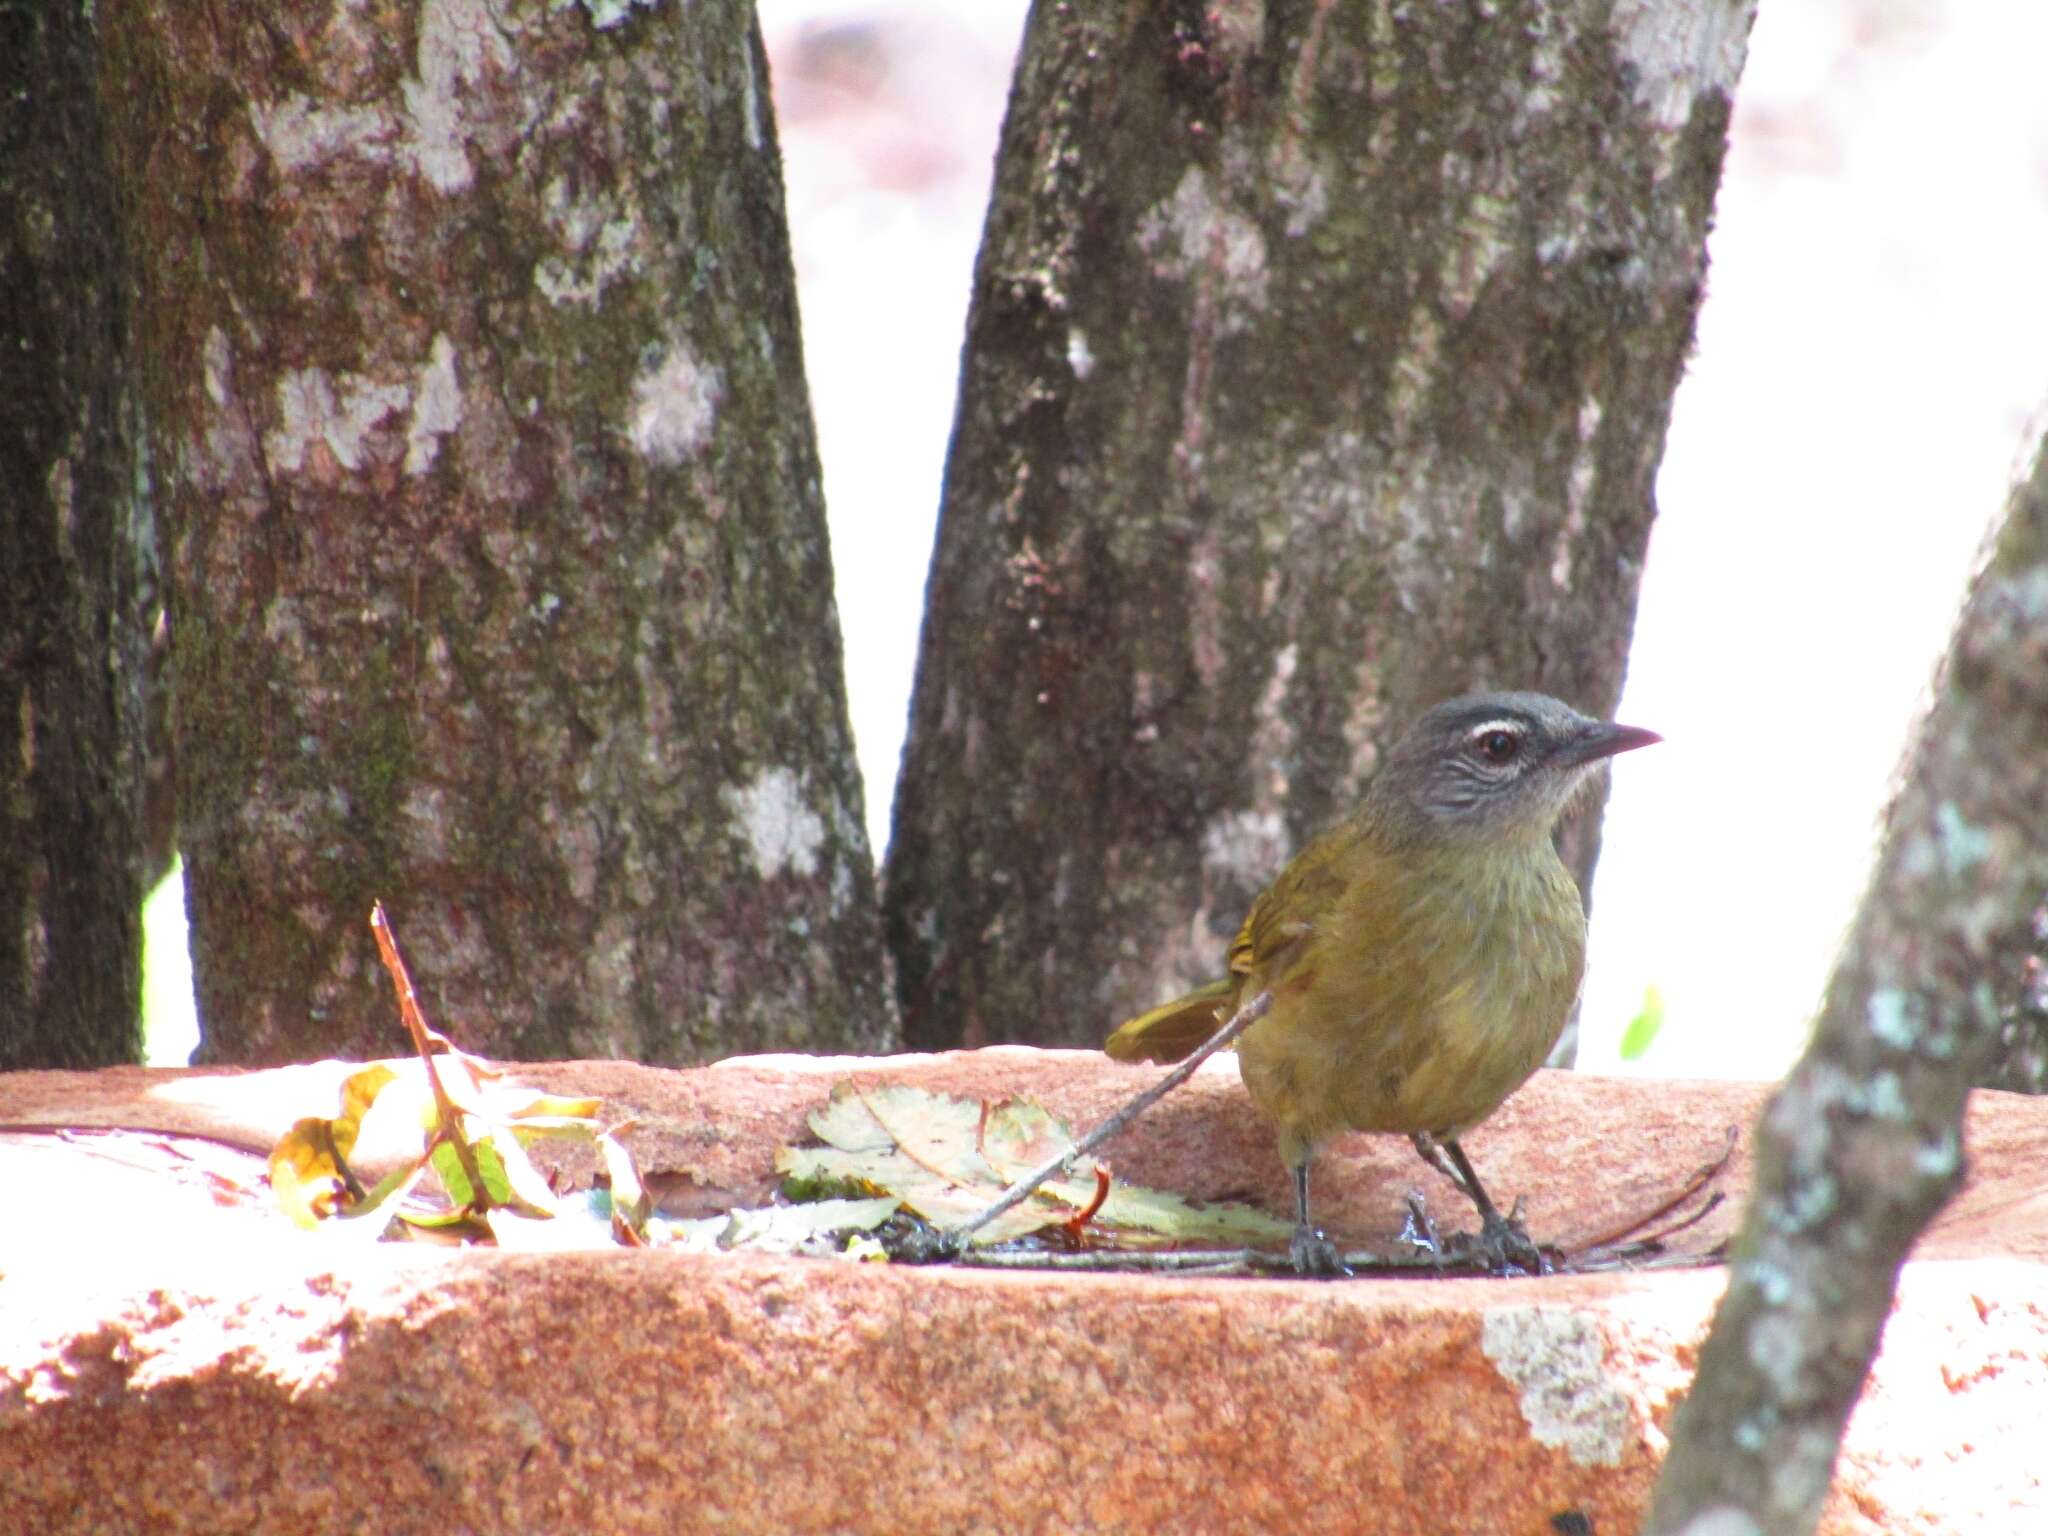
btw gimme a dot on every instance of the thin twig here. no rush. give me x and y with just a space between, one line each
1108 1258
1707 1208
424 1039
955 1238
1363 1262
1653 1242
1213 1263
1636 1263
1702 1176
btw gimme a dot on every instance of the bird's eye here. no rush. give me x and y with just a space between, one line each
1499 746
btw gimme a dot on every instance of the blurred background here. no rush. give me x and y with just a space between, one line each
1871 356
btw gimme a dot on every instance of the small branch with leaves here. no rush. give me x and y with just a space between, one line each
474 1131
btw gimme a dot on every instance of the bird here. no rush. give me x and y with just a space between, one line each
1423 954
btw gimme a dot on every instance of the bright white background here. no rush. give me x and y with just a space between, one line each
1872 348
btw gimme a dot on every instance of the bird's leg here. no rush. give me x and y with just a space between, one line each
1310 1252
1502 1239
1417 1228
1431 1152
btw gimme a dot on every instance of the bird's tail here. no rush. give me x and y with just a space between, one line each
1173 1030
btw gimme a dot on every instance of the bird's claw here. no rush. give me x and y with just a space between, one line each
1502 1245
1506 1247
1314 1255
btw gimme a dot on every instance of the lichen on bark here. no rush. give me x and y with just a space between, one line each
498 554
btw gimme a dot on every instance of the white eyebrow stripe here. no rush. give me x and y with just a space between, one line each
1486 727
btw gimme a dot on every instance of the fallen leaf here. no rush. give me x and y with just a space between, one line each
947 1159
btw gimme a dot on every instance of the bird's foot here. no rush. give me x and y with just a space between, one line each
1314 1255
1501 1246
1505 1247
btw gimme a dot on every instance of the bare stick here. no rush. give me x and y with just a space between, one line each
1653 1242
424 1039
1702 1176
1183 1261
1213 1262
955 1238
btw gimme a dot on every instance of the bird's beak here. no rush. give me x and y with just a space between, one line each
1603 739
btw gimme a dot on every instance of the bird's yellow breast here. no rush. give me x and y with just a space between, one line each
1423 994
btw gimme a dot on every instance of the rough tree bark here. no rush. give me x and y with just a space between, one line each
497 564
2004 635
1318 368
1862 1145
74 555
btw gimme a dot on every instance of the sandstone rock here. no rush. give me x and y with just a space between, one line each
175 1357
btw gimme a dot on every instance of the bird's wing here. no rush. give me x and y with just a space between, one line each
1174 1031
1300 897
1288 911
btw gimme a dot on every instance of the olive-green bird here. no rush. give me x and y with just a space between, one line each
1423 954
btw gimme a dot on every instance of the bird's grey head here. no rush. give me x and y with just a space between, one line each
1493 763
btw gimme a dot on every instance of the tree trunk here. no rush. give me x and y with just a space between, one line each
1318 369
2001 667
498 573
74 555
1863 1144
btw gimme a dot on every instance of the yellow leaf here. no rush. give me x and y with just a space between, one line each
309 1165
305 1173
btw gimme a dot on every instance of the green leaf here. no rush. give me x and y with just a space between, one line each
491 1169
1642 1029
1138 1213
456 1225
461 1193
398 1182
525 1187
